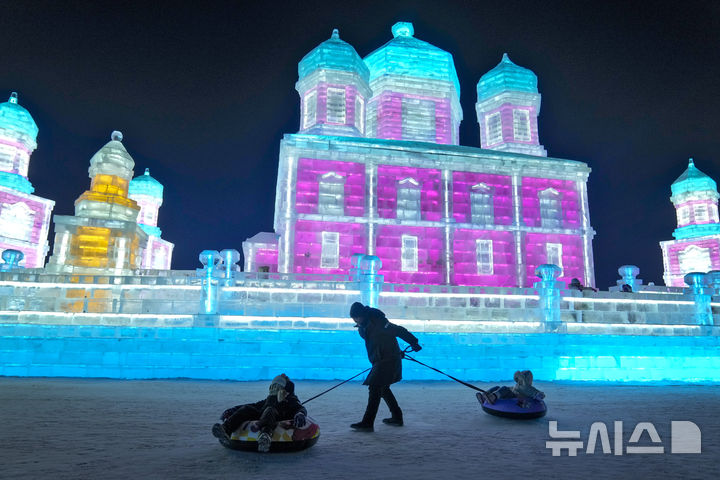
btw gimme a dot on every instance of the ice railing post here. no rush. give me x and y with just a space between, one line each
701 294
364 272
12 259
230 257
549 291
628 276
712 279
211 260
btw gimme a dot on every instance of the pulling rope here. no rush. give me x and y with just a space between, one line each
447 375
333 388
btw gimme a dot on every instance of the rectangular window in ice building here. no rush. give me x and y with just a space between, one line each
550 208
330 253
521 125
409 254
481 205
701 213
360 113
714 213
336 105
331 199
493 129
310 109
7 157
553 254
16 221
408 200
683 214
484 256
418 120
695 259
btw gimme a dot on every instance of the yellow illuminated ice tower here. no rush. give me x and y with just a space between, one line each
103 237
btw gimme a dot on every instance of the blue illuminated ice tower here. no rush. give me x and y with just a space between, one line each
148 193
508 104
333 88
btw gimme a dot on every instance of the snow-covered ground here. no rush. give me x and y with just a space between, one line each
105 429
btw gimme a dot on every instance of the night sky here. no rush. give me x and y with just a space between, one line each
203 93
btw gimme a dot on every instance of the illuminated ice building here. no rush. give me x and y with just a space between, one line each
114 229
24 217
696 247
377 168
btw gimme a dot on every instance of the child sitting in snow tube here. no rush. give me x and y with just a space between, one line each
277 423
521 401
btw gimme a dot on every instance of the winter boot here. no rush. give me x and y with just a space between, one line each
264 440
363 426
219 432
396 420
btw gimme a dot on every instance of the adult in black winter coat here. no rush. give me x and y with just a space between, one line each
384 353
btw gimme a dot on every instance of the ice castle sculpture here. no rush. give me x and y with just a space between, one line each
148 193
24 217
103 237
696 247
376 168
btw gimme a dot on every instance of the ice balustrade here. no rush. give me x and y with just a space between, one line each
12 259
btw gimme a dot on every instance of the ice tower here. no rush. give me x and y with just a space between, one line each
508 104
696 247
103 237
416 92
24 217
333 88
433 211
148 193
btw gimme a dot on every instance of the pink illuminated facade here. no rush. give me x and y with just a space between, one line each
377 168
24 217
696 247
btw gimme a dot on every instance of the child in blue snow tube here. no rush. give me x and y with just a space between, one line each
280 404
522 390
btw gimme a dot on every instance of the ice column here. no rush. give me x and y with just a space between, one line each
12 259
628 276
549 290
701 294
364 271
211 260
230 257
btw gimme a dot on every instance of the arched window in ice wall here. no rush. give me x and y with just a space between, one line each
336 105
409 254
493 128
331 199
550 208
521 125
360 114
310 109
418 119
408 199
330 250
695 259
484 256
553 254
481 205
16 220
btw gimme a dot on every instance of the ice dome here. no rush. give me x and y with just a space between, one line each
406 55
16 119
692 180
112 159
506 76
333 54
146 185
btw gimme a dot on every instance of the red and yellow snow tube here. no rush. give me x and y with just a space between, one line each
285 438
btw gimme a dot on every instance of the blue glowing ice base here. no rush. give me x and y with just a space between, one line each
251 354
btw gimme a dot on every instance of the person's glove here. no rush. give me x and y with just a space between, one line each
299 420
416 347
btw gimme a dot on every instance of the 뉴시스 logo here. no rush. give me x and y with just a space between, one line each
685 437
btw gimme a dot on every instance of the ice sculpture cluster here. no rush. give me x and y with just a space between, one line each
696 247
24 217
377 169
104 235
148 194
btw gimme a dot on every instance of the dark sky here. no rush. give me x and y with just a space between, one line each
203 93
